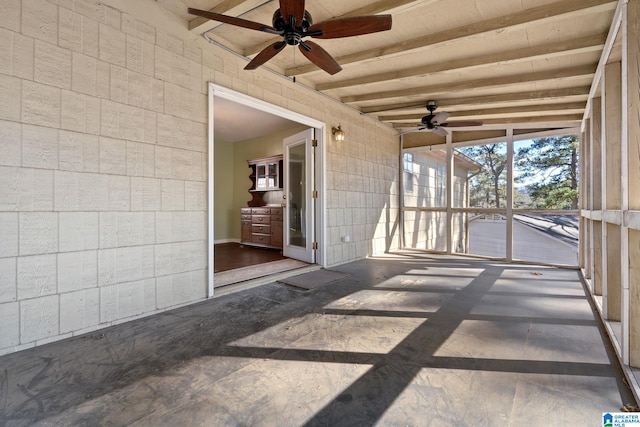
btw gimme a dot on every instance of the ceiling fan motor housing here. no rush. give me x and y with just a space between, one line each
292 34
426 120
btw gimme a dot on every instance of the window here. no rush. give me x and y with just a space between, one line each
540 214
408 162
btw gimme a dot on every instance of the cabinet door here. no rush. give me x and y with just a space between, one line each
272 175
276 233
261 176
246 231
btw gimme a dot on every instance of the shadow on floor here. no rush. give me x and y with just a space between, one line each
411 340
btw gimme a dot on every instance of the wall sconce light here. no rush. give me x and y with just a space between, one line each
338 133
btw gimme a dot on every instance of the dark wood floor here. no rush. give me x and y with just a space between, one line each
228 256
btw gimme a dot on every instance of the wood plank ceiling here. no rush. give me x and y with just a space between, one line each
518 63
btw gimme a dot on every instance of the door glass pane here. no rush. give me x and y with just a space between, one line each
273 175
297 196
261 173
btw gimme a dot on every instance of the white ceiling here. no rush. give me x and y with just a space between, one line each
236 122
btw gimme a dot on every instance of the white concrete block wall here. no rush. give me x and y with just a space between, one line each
103 135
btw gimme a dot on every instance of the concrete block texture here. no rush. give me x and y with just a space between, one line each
185 103
10 143
39 147
79 231
36 276
113 156
181 133
112 45
11 88
180 226
140 56
124 300
8 280
79 310
146 194
172 195
78 152
10 17
38 233
39 318
16 54
78 33
176 69
25 189
84 74
178 164
40 104
40 20
180 288
125 122
120 229
182 257
52 65
138 29
91 192
10 332
77 271
9 232
140 159
122 265
73 114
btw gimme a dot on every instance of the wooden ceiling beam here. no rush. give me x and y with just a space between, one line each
536 14
542 95
382 6
493 82
593 43
494 111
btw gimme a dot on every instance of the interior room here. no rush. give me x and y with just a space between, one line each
240 153
293 212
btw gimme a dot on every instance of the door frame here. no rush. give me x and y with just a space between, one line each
215 91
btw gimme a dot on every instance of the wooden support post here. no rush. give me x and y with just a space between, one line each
612 194
586 194
596 196
630 193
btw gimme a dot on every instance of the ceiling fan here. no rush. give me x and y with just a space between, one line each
436 122
293 23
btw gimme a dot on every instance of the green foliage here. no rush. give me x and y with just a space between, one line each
549 166
547 178
488 187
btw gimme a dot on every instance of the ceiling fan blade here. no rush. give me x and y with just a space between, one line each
440 131
440 117
232 20
462 123
348 27
266 54
293 8
319 57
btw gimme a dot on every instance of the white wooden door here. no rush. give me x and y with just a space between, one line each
298 212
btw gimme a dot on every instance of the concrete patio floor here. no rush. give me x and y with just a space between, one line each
409 339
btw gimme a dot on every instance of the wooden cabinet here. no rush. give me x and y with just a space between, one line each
261 226
266 175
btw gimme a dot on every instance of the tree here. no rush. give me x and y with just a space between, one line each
549 170
488 185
